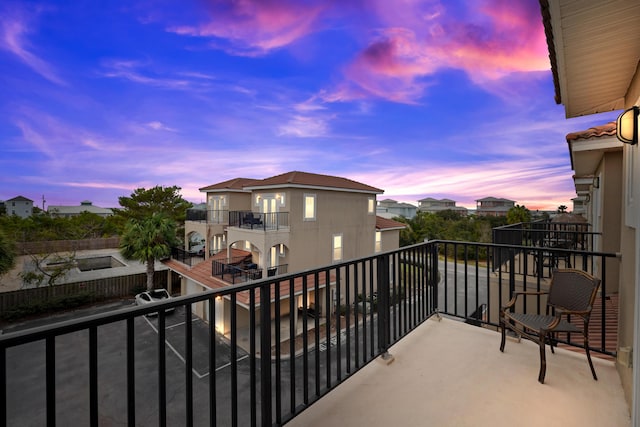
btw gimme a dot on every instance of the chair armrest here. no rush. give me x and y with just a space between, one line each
513 299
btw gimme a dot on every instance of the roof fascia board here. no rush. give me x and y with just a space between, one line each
608 143
224 190
311 187
556 29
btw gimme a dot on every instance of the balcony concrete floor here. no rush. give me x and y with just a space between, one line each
449 373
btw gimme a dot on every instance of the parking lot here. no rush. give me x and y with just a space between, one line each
26 404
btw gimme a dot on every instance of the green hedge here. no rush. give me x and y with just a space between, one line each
65 302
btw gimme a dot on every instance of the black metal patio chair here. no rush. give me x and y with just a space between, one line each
571 293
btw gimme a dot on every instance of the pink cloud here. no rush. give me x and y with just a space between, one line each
488 40
255 27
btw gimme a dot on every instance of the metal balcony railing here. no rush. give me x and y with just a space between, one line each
186 257
210 216
249 365
553 236
242 269
259 221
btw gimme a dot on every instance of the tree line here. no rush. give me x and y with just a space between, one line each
452 225
149 222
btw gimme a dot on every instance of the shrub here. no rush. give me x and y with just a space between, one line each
64 302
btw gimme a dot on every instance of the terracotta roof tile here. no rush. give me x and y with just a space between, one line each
388 224
306 179
201 273
237 184
608 129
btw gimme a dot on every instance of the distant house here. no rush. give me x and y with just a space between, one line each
492 206
85 206
19 206
389 208
432 205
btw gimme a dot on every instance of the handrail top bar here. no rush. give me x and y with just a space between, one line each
533 230
530 248
540 222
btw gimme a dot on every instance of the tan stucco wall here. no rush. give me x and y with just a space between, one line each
630 206
336 213
238 201
611 168
390 240
309 243
626 327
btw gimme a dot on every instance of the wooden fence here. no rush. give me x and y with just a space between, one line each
107 288
51 246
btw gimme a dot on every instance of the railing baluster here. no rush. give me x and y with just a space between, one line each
277 319
131 374
327 281
305 344
188 332
3 387
93 375
162 370
212 360
50 366
348 316
316 326
252 353
338 329
292 347
234 360
265 346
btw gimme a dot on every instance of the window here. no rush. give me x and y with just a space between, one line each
378 246
309 209
337 247
273 256
372 205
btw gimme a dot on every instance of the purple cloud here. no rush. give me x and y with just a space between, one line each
15 25
255 27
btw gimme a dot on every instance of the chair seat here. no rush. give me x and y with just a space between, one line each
537 322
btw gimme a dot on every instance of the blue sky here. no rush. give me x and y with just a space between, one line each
419 98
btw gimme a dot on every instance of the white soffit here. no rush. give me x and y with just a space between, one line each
587 153
597 46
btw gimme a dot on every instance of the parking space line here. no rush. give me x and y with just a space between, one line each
181 323
168 344
226 365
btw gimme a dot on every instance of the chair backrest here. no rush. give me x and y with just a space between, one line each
573 290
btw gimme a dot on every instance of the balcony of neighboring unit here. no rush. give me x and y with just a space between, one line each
259 221
189 258
208 216
241 269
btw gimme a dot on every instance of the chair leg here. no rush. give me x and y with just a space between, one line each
502 329
586 348
543 359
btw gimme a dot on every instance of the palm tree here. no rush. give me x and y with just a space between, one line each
147 240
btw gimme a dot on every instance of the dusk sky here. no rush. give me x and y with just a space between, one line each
433 98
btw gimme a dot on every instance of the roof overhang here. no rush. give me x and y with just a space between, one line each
586 154
594 48
308 187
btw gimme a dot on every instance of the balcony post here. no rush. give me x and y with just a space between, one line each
512 271
435 278
383 305
265 353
